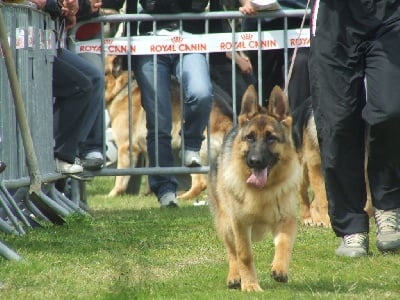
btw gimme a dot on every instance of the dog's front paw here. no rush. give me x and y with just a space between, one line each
308 221
251 287
279 276
234 284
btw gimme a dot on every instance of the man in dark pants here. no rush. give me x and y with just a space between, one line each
78 88
355 68
273 71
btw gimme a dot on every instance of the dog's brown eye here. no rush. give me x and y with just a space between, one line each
271 139
250 137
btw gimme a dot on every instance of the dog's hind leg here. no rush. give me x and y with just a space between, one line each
320 213
304 205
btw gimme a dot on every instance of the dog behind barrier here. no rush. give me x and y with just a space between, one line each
221 119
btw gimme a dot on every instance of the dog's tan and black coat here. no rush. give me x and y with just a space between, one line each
253 188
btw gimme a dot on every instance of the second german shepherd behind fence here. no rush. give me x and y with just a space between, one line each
117 99
253 188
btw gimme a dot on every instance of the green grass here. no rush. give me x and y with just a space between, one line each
132 249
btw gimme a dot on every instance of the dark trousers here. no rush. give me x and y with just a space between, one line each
355 70
273 64
78 88
221 74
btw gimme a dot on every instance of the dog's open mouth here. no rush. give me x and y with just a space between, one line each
258 177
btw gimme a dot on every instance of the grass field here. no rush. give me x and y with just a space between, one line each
132 249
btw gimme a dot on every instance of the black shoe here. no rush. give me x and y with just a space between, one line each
93 161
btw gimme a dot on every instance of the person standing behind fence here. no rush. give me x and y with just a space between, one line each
197 88
91 149
78 89
221 62
273 68
355 71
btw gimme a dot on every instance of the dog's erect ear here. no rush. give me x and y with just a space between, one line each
278 104
250 105
117 66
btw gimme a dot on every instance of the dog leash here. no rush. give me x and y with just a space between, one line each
295 50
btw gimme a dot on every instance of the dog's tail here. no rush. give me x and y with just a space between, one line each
223 101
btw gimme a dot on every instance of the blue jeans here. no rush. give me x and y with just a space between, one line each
197 88
78 88
95 139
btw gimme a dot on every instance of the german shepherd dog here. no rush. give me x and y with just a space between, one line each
313 206
117 101
253 188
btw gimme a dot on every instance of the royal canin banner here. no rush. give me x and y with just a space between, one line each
187 43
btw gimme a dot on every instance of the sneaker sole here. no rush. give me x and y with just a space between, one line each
93 165
388 247
352 253
81 176
170 205
193 164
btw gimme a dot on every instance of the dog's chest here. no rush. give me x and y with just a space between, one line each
258 208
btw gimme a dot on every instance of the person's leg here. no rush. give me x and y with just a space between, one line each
76 103
337 80
382 112
91 149
144 73
299 84
272 61
222 76
197 88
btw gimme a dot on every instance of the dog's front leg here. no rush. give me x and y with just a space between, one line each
248 275
121 182
284 237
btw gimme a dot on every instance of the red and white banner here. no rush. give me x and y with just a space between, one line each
187 43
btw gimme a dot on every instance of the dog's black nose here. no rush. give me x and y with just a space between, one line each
255 161
2 166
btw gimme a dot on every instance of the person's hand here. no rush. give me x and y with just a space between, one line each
242 61
39 3
69 8
244 64
95 5
247 8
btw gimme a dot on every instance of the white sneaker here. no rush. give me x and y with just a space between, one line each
388 229
67 168
191 158
354 245
168 200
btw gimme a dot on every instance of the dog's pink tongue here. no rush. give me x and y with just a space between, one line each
258 178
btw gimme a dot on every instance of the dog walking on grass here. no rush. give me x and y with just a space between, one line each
253 188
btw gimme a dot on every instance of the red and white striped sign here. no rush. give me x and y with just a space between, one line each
187 43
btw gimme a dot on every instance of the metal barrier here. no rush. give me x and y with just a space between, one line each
27 186
31 39
219 42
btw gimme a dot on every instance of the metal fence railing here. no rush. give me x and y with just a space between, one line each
30 38
130 44
28 195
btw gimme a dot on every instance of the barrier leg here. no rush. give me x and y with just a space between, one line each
8 253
